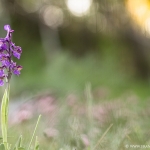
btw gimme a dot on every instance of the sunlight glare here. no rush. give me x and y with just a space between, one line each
140 13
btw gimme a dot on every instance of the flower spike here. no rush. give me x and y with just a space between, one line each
7 51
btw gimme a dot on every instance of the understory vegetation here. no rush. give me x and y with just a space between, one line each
82 109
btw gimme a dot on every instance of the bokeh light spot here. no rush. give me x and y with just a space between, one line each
78 7
52 16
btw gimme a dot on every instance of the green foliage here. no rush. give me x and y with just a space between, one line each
4 127
130 124
64 73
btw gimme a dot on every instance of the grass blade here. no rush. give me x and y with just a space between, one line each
34 131
36 146
9 147
102 137
19 144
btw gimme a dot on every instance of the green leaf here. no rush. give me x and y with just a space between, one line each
4 115
2 147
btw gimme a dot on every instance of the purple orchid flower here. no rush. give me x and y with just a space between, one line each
7 50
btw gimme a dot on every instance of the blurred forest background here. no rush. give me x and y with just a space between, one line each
86 69
68 43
